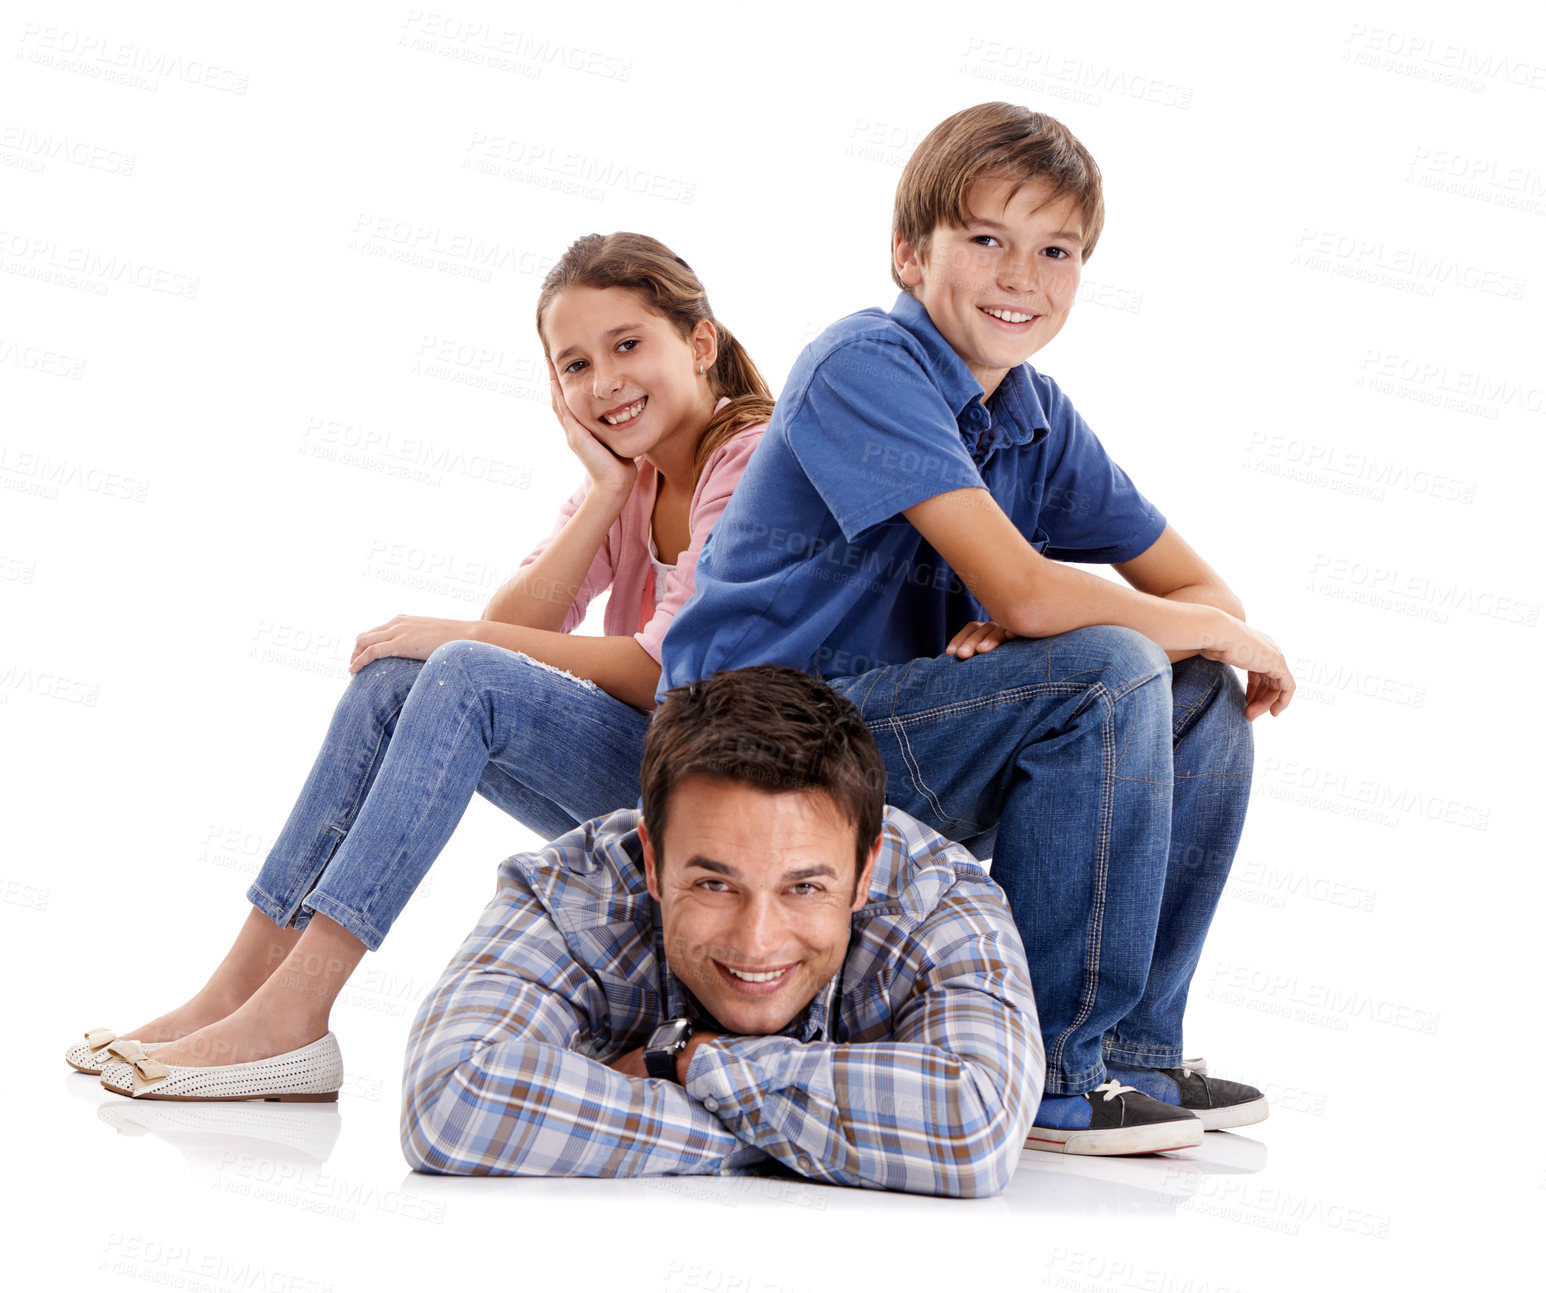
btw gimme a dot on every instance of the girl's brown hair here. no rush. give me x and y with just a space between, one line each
672 290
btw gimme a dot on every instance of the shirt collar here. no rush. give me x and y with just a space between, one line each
1017 415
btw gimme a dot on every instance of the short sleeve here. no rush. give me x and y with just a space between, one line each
602 567
1090 508
716 484
875 435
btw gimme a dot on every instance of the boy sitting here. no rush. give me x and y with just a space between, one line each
928 486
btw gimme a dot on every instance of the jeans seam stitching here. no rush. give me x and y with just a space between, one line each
1098 905
998 698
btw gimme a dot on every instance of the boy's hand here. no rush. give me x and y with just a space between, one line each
1270 685
977 637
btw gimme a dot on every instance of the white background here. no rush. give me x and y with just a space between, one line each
268 376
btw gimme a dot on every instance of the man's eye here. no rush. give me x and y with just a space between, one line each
804 889
712 886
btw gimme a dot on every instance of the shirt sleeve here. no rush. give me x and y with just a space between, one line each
1090 509
494 1083
875 435
713 491
942 1106
602 567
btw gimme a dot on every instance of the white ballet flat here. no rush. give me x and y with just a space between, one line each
90 1055
312 1073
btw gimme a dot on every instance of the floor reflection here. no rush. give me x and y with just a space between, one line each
209 1135
1150 1183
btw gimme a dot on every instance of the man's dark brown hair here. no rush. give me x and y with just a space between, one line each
771 727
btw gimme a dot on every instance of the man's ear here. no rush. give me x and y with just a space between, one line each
908 259
862 889
650 877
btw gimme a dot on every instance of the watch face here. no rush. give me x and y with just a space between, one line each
665 1043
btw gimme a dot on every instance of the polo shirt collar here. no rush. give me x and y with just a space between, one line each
1018 417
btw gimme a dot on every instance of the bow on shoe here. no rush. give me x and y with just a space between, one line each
146 1070
97 1038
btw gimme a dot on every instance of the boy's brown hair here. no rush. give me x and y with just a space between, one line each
992 141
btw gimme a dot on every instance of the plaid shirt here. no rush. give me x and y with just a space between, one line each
918 1067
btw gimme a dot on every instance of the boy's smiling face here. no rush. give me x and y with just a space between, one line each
999 289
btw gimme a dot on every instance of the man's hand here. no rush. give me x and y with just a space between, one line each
684 1056
976 638
629 1063
413 636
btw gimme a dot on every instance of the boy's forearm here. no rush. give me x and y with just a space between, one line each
1215 595
1065 598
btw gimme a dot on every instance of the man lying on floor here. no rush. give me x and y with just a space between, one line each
766 963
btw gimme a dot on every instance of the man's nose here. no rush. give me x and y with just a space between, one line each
759 929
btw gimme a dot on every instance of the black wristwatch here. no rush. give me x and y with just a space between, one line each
667 1042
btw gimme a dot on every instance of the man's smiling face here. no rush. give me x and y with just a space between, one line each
755 892
1000 288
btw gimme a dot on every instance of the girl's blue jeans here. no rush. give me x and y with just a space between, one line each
1109 789
409 743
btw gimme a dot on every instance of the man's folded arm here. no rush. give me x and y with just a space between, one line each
493 1086
942 1106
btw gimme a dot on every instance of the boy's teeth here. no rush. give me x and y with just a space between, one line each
1008 316
755 978
632 411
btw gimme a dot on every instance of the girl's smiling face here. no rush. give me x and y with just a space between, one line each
627 373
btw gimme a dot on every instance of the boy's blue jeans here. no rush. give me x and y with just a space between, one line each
409 743
1109 790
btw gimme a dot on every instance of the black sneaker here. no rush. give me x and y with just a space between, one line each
1218 1103
1112 1119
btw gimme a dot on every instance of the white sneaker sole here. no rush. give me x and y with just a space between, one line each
1147 1138
1236 1115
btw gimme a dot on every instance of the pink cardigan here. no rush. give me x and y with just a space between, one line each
622 563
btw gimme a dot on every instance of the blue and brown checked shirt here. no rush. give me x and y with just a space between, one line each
918 1067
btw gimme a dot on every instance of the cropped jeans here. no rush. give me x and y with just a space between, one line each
409 743
1109 789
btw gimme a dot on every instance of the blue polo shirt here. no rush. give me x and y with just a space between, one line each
813 564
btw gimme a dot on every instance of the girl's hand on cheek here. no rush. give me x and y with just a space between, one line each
413 636
609 474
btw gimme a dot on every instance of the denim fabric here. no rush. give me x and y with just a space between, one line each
1109 791
409 743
